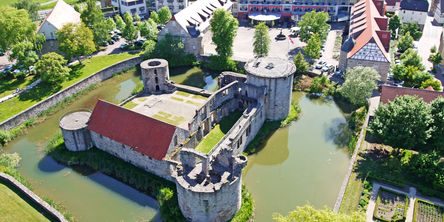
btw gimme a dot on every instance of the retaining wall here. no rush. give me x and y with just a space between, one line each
33 197
43 105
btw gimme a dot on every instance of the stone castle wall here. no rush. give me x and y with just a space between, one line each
97 77
77 140
381 67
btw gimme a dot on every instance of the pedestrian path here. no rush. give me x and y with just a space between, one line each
19 91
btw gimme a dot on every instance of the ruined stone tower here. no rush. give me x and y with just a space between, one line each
74 129
277 75
209 189
156 76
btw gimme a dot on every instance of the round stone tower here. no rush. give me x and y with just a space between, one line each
74 130
155 75
276 75
210 192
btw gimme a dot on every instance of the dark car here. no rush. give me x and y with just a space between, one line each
115 37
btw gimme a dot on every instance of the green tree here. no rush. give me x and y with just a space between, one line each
413 29
94 19
164 15
313 47
428 168
137 18
149 46
433 49
411 58
359 84
30 6
52 68
411 75
155 17
437 138
120 24
170 48
38 40
261 42
308 213
130 31
16 26
394 24
24 54
435 84
300 63
436 58
148 29
111 23
224 27
314 23
405 42
90 13
403 123
76 40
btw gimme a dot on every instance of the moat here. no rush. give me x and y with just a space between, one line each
300 163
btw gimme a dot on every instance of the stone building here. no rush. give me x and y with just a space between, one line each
192 24
439 12
59 16
369 39
208 184
414 11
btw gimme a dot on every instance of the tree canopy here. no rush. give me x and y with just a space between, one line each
170 48
261 41
405 42
94 19
75 40
30 6
313 47
120 24
300 63
403 123
411 58
413 29
394 24
148 29
24 54
308 213
437 134
16 26
155 17
52 68
164 15
312 23
359 84
130 31
224 27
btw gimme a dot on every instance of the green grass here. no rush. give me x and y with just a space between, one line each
177 98
352 195
168 118
246 210
130 105
199 97
7 87
143 99
14 208
7 2
219 131
193 103
182 93
43 90
51 5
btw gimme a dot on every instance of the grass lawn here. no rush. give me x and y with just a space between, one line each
50 6
219 131
7 87
7 2
14 208
129 105
43 91
169 118
182 93
352 195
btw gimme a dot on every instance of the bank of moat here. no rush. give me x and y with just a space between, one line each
159 129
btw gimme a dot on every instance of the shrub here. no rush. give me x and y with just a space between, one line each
5 136
221 63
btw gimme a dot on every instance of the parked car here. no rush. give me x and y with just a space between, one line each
140 42
2 53
7 69
338 73
327 68
398 83
117 32
320 64
390 76
110 41
115 37
124 46
397 61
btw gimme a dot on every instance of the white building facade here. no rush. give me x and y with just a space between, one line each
175 6
61 14
414 11
134 7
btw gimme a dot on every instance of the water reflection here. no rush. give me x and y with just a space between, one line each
338 132
195 76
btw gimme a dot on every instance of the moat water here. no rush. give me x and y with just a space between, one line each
304 162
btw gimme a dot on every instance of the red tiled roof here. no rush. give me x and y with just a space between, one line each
389 93
368 23
144 134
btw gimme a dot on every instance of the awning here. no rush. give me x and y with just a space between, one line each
264 17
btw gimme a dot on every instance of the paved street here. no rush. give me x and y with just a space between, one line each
430 37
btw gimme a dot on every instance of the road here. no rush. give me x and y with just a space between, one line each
430 37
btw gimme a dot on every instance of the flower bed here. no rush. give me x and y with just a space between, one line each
428 212
390 206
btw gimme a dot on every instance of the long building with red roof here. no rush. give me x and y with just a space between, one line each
369 39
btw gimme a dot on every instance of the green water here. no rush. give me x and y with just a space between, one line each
89 196
194 76
305 162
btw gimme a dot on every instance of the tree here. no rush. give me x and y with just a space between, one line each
308 213
52 69
300 63
120 24
155 17
411 75
403 123
75 40
111 23
394 24
405 42
94 19
164 15
149 46
137 18
15 26
38 40
413 29
24 54
170 48
435 58
433 49
130 31
313 47
261 41
148 29
314 23
411 58
359 84
30 6
437 111
224 27
435 84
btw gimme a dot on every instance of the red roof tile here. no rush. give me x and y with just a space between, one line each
144 134
389 93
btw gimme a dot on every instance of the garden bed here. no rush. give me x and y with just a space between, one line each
390 206
427 212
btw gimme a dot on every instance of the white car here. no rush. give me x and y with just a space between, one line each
320 64
327 68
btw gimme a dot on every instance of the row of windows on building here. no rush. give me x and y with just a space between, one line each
332 3
266 9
